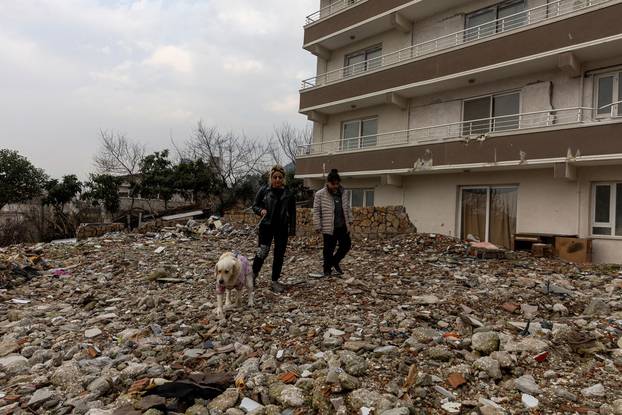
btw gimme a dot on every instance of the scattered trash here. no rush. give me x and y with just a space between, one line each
541 357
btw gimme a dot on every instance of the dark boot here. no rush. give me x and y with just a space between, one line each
277 287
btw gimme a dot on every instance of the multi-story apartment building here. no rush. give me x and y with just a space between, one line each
483 118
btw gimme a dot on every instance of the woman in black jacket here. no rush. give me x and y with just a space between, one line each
277 208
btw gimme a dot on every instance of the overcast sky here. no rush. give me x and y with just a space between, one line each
147 69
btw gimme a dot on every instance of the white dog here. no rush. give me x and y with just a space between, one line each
233 272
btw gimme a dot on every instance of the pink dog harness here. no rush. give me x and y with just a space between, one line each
244 271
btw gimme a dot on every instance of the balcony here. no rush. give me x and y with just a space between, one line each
530 17
466 131
535 139
331 9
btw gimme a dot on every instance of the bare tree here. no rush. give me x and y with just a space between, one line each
290 138
234 159
118 155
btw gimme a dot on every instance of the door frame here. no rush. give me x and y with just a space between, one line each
488 189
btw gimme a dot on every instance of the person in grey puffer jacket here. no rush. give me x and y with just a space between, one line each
332 217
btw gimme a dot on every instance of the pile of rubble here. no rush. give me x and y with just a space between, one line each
416 326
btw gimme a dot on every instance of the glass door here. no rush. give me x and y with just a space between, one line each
369 129
489 214
474 213
351 134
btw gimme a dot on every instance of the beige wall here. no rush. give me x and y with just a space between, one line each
390 118
539 92
544 205
384 195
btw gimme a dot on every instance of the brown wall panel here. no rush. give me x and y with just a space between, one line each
587 141
567 32
349 18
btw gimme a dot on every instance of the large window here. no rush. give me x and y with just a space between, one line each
364 60
498 18
609 94
607 209
491 113
362 197
359 133
489 214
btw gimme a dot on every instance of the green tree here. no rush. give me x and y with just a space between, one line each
193 179
157 176
103 189
20 181
58 194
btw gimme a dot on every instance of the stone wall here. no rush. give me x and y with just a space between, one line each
372 222
91 230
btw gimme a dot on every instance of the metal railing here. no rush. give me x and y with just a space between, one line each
463 37
332 8
479 129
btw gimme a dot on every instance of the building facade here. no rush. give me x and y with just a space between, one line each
482 118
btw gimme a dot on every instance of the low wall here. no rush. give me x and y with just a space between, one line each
156 225
92 230
372 222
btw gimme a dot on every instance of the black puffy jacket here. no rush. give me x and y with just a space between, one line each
286 215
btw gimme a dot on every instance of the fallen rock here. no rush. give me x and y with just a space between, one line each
92 333
68 377
426 299
486 342
596 307
249 405
529 401
291 397
531 345
490 366
452 407
40 396
595 391
14 364
224 401
7 347
527 384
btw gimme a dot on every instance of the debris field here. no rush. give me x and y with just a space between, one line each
125 324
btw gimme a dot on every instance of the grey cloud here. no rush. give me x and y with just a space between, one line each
149 69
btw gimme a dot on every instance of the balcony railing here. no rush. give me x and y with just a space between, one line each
467 130
332 8
528 17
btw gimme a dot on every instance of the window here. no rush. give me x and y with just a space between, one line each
607 209
491 113
362 197
359 134
498 18
362 61
609 94
489 214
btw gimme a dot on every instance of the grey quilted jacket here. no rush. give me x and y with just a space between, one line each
324 210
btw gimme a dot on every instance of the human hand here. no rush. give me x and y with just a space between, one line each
263 212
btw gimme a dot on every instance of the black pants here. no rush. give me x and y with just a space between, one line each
266 234
340 236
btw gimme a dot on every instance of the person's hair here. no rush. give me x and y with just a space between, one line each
277 168
333 176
